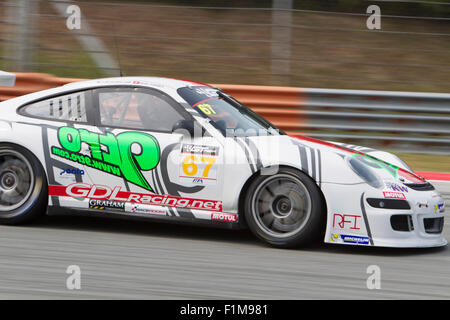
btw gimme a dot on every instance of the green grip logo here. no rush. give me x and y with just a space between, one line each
376 163
125 155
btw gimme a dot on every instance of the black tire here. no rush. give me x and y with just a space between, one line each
23 185
286 209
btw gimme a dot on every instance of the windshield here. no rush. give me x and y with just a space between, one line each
226 114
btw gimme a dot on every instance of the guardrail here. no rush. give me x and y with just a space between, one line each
32 82
7 79
406 121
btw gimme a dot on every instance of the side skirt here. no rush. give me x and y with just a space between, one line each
111 213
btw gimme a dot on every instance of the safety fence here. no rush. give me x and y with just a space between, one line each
404 121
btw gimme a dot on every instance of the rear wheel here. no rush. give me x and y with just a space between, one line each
285 209
23 186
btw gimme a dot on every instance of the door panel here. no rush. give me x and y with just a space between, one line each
150 163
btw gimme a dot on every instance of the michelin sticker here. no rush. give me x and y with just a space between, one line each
344 238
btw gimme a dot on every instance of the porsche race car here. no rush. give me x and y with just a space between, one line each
182 151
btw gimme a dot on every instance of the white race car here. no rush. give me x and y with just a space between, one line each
142 147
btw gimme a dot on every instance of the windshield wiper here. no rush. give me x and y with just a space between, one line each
246 110
230 99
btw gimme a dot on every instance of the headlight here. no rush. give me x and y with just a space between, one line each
365 172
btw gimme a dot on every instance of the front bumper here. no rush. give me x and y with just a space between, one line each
420 226
353 221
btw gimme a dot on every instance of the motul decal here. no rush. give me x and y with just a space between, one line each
227 217
394 195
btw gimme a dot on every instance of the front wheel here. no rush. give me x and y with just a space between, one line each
285 209
23 185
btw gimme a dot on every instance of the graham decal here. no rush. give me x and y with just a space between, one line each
127 155
102 204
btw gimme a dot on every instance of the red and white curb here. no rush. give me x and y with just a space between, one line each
435 176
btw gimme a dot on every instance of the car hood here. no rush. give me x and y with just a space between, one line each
331 158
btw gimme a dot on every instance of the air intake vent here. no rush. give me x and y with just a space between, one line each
433 225
402 222
420 186
395 204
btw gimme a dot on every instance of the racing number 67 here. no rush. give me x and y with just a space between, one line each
190 167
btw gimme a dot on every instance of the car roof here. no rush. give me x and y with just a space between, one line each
152 82
167 85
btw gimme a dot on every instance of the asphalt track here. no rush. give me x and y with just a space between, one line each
135 260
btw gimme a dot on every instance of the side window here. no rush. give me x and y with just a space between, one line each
69 107
136 109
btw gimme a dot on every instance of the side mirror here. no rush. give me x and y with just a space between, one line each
184 127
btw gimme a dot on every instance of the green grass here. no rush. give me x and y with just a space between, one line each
426 162
86 69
